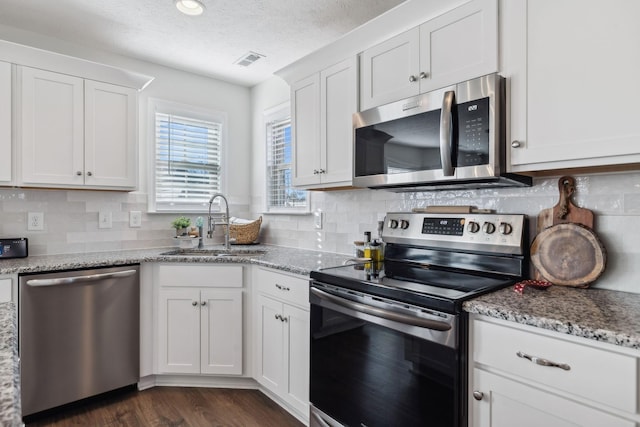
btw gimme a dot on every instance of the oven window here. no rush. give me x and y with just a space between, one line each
363 374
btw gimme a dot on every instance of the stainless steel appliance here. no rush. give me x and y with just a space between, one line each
79 335
453 137
389 340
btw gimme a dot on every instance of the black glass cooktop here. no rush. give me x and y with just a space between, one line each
430 287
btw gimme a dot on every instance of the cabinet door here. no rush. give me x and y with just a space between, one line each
270 339
338 102
296 351
221 326
305 122
6 176
390 71
508 403
179 331
51 138
459 45
561 58
110 135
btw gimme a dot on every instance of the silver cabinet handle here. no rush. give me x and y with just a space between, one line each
543 362
516 144
424 75
194 303
282 288
382 313
76 279
478 395
446 134
412 79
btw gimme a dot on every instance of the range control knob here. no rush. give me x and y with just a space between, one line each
393 223
404 224
505 228
488 227
473 227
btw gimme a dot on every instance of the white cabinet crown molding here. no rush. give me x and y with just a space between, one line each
65 64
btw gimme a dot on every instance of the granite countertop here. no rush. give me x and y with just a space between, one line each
609 316
298 261
10 409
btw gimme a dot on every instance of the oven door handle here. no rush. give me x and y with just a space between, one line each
380 312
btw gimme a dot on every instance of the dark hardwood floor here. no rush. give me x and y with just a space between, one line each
174 406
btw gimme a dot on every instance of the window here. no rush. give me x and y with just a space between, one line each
188 157
281 197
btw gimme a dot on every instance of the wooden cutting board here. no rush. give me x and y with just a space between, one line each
565 210
566 250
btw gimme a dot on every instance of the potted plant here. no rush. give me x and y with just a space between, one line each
180 224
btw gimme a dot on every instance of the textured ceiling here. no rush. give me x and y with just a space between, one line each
154 30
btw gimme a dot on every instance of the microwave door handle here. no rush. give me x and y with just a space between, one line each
446 133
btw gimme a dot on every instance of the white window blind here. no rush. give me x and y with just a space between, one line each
187 161
281 195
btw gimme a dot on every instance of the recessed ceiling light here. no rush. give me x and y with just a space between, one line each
190 7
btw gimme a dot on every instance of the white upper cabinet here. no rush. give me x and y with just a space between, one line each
390 70
6 175
573 72
110 158
305 130
459 45
51 128
322 106
76 133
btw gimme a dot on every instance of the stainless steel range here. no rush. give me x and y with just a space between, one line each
389 340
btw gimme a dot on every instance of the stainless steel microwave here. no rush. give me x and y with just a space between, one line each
450 138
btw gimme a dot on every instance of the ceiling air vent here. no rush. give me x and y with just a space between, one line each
248 59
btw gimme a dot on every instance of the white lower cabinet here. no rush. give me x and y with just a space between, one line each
529 377
281 341
200 320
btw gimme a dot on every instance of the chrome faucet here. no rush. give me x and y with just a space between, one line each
212 224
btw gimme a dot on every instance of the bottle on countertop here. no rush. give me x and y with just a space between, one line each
367 248
382 245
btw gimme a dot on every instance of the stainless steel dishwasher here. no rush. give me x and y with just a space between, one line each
79 335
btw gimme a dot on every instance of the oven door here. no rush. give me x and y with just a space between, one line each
377 362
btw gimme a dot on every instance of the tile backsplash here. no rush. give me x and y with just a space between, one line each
614 198
71 221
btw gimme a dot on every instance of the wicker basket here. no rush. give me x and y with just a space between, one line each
245 233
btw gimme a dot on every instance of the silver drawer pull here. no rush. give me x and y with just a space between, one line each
282 288
543 362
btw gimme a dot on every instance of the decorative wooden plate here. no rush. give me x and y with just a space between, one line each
569 255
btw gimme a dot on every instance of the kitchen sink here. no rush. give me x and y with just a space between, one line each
216 252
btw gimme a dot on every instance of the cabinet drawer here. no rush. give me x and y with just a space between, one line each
603 376
291 289
200 275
